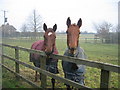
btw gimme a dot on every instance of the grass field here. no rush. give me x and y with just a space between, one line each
107 53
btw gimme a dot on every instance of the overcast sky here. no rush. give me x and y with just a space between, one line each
57 11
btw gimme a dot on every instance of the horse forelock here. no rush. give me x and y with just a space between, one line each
74 24
50 32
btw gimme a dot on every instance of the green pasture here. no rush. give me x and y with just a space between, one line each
107 53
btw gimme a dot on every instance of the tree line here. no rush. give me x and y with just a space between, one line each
33 28
107 33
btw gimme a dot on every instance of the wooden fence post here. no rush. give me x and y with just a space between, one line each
1 55
43 77
85 40
105 77
95 40
16 64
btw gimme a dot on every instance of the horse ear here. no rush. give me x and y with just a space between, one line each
45 27
55 27
79 22
68 22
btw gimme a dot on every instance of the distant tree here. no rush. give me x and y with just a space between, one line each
103 30
24 28
116 29
116 34
35 22
85 32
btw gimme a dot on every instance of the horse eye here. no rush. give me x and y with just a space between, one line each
79 32
66 31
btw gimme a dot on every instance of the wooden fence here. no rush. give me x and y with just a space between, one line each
91 40
105 68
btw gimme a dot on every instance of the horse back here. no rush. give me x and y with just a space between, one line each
38 45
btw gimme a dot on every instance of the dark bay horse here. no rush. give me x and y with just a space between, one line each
48 46
74 71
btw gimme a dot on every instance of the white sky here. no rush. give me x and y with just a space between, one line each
57 11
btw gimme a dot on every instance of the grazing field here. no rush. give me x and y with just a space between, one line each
107 53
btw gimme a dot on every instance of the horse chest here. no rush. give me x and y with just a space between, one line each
71 67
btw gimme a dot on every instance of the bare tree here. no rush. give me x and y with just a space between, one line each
35 22
116 34
103 30
24 28
117 29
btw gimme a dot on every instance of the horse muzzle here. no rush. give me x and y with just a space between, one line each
48 53
72 51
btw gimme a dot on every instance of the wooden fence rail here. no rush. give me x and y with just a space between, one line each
105 67
46 73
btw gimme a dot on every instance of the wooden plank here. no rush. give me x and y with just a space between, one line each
95 64
17 64
32 51
20 76
72 83
43 76
26 49
11 46
105 78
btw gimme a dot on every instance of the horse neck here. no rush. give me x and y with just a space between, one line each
43 47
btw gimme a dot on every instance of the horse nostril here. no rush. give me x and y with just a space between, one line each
72 49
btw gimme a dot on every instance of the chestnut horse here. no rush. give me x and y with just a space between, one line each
48 46
74 71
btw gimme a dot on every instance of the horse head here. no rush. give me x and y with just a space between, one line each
49 38
73 32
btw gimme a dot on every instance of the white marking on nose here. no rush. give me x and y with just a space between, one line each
49 33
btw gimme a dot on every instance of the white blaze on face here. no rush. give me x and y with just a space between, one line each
50 33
